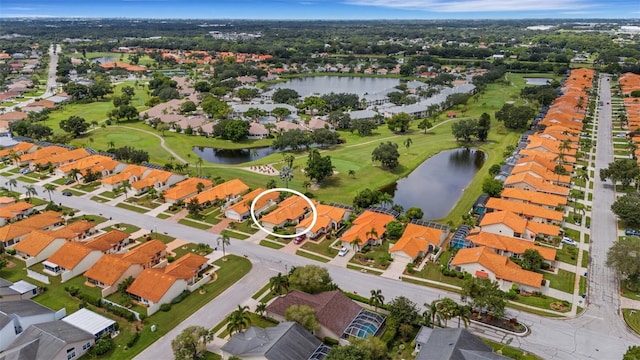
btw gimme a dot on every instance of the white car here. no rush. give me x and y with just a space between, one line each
569 241
343 251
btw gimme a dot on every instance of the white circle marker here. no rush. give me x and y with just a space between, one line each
313 210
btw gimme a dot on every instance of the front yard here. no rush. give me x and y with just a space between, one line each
322 247
376 256
564 281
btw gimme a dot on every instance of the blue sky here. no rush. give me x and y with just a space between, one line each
324 9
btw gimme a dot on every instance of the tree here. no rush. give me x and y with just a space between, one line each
125 186
271 184
363 127
515 117
394 229
414 213
193 206
633 353
12 183
318 167
355 244
280 113
531 260
285 96
495 169
370 348
261 309
246 94
224 240
492 186
74 125
191 343
464 129
294 139
407 143
627 208
311 279
402 311
239 320
399 122
484 124
425 125
366 198
340 120
162 127
49 188
30 190
623 170
279 284
286 174
463 312
484 294
352 173
236 130
387 153
376 299
623 258
217 109
304 315
324 137
446 309
39 131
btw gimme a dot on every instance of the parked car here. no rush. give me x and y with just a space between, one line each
569 241
343 251
25 171
299 239
67 193
632 232
69 182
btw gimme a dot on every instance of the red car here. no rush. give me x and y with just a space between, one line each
299 239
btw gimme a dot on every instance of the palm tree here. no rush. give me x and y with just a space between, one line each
385 199
355 244
288 159
446 309
376 299
12 183
49 188
199 166
464 314
125 186
564 146
261 309
30 191
74 173
279 284
239 320
224 240
153 192
352 173
306 185
372 234
199 187
15 157
407 143
286 174
111 144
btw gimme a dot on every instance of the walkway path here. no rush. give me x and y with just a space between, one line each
162 143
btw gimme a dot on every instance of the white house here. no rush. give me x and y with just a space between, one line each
71 260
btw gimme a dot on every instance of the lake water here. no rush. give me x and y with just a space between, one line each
538 81
321 85
438 183
235 156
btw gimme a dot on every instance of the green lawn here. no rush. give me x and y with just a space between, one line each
27 179
144 201
632 318
235 235
540 302
163 216
95 218
271 244
99 199
311 256
432 272
583 285
154 235
128 228
585 258
244 226
108 194
87 187
259 293
132 208
194 224
323 247
568 254
255 320
361 269
510 351
564 281
191 248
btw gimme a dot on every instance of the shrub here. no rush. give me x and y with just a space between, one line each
165 307
512 295
181 297
102 346
134 339
460 275
330 341
171 259
11 251
566 303
72 290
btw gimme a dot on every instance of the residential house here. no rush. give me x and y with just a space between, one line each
548 201
568 159
289 211
315 124
38 246
287 340
481 262
12 233
369 228
71 260
228 192
21 290
19 149
153 287
149 254
186 189
509 246
15 316
509 224
257 131
15 210
545 160
416 242
63 158
540 172
109 271
188 267
154 178
452 344
525 181
328 218
240 211
101 164
76 231
55 340
130 173
526 211
111 242
41 153
339 317
91 322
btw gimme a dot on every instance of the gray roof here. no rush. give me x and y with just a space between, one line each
5 288
4 320
26 351
89 321
362 114
50 338
286 341
24 308
455 344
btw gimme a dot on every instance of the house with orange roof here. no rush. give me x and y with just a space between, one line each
14 211
130 173
185 189
509 224
111 242
481 262
416 242
526 211
291 210
153 287
548 201
19 148
109 271
154 178
568 159
188 267
149 254
76 231
71 259
543 160
12 233
240 211
508 246
61 159
41 153
38 246
95 163
228 193
542 173
124 66
550 134
525 181
369 228
329 218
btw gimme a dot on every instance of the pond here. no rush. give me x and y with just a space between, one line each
321 85
538 81
232 156
438 183
104 59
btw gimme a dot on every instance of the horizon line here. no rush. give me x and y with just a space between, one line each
45 17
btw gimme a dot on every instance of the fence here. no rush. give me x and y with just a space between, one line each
37 276
137 315
196 285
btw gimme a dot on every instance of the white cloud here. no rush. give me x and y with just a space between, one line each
474 5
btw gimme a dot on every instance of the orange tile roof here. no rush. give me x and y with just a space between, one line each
145 252
152 284
43 153
69 255
185 188
24 226
244 205
555 134
363 224
106 241
233 187
108 269
536 183
289 209
527 210
501 266
44 103
10 211
511 220
35 242
150 178
74 229
186 267
506 243
534 197
545 229
544 159
541 172
416 238
19 148
93 162
326 214
550 145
